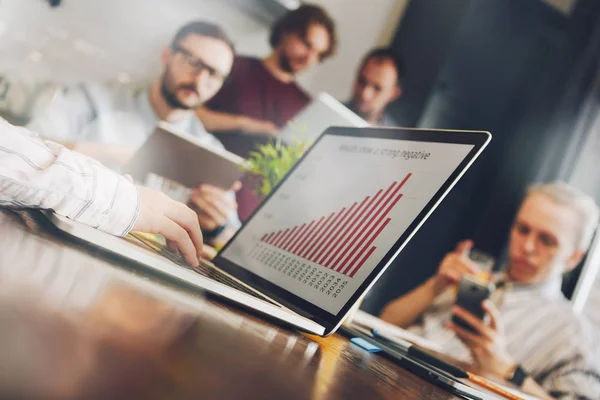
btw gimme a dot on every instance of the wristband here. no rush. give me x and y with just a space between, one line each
517 376
213 233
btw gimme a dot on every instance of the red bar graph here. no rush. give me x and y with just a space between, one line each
313 240
293 239
349 270
354 246
281 238
289 238
275 238
363 260
310 237
346 236
342 241
332 244
269 238
333 233
325 235
300 241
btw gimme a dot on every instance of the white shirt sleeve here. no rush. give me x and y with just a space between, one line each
39 174
234 219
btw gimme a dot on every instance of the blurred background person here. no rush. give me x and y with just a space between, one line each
262 95
377 84
45 175
110 124
532 327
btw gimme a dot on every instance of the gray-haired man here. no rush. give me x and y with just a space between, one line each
533 338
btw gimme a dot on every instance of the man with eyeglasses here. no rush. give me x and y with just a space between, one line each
531 336
111 123
261 95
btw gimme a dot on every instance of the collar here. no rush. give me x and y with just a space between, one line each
385 119
144 107
549 288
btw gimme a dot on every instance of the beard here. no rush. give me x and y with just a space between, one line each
355 108
285 64
169 90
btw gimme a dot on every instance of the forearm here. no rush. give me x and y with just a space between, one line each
220 241
231 227
48 176
215 121
406 309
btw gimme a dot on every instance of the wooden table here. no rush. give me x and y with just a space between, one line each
75 323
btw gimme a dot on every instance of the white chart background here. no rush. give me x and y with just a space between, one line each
330 179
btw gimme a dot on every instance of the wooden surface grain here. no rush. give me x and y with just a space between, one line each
75 323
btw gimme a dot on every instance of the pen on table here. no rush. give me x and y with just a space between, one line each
414 351
430 359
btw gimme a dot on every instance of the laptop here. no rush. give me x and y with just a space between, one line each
321 113
327 232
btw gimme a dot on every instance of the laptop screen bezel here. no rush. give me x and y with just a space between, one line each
309 310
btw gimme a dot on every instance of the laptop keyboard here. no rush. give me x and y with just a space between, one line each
203 268
216 275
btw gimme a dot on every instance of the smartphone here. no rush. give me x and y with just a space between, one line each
471 293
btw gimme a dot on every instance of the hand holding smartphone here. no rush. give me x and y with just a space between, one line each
471 293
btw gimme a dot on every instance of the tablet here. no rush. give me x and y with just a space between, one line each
183 158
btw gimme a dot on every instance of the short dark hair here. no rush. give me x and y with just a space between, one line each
299 20
386 53
202 28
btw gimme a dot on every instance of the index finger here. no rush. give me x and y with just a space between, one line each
237 185
493 312
470 339
175 233
188 220
472 320
464 246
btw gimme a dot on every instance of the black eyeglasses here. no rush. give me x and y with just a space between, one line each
199 65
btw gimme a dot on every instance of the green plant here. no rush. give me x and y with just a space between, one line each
270 162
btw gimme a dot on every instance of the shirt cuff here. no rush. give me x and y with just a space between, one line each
120 217
114 203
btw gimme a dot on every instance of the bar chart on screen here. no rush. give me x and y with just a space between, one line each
331 223
343 240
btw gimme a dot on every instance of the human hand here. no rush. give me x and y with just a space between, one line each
488 344
174 220
257 127
208 252
454 266
213 205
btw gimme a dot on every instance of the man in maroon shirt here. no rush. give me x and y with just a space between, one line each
261 95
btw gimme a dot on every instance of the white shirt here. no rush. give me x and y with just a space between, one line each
113 115
39 174
120 116
557 347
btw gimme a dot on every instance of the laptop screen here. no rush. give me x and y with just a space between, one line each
340 211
